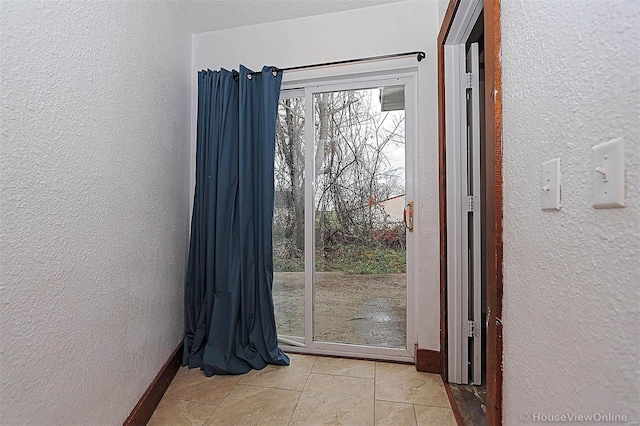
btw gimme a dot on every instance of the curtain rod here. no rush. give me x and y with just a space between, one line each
419 56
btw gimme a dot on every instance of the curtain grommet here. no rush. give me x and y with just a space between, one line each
249 76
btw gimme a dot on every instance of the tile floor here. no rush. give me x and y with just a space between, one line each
311 391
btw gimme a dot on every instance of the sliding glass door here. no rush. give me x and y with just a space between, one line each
343 209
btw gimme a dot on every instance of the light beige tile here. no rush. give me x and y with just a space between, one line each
335 400
178 412
402 383
434 416
253 405
194 385
394 414
344 367
292 377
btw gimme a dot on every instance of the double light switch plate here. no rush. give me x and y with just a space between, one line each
607 174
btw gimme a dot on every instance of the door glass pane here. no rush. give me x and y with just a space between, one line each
288 219
360 257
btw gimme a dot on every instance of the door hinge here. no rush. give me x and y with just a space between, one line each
473 203
469 80
472 329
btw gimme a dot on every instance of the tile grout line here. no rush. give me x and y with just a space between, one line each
209 416
269 387
190 400
305 385
427 405
223 400
413 403
343 375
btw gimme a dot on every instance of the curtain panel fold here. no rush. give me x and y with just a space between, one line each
230 324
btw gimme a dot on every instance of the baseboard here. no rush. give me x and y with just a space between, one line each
428 361
143 410
454 405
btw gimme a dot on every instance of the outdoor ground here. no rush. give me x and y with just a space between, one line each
363 309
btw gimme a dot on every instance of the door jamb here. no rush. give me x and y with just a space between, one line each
493 200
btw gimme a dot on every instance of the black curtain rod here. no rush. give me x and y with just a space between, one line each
418 54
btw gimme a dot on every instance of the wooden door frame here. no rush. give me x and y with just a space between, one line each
493 200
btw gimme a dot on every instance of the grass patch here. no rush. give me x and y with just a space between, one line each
349 259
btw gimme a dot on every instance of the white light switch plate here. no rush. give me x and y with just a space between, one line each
608 174
550 185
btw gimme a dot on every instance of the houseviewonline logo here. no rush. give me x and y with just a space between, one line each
525 416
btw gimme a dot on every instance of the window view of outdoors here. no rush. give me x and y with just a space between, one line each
288 219
360 257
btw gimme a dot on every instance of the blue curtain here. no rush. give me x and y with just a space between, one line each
229 305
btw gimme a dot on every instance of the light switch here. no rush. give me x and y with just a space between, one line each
608 174
550 186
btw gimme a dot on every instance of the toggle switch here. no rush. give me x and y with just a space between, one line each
550 186
608 174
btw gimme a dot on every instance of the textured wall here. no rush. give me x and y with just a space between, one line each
392 28
571 278
95 114
442 9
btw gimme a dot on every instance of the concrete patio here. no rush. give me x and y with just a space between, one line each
349 308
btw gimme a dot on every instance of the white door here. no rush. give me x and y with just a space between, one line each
472 243
464 226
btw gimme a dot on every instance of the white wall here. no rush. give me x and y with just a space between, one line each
571 278
94 163
392 28
442 9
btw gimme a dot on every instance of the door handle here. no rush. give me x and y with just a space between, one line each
408 218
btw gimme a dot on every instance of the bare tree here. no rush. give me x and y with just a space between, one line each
353 171
289 177
356 171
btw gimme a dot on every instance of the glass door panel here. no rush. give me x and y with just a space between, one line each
288 220
359 281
